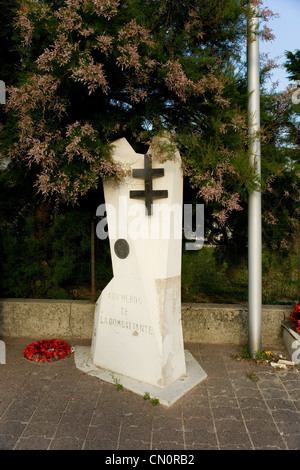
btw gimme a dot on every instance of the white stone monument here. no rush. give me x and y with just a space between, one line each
137 329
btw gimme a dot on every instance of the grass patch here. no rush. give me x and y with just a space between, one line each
119 386
153 401
260 356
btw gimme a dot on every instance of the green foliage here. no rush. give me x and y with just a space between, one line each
45 252
253 377
258 356
219 275
192 48
292 64
9 64
119 386
196 88
39 257
153 401
245 353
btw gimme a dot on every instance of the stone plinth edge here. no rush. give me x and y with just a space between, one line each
167 396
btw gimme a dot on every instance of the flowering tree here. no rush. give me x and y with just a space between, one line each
95 70
82 73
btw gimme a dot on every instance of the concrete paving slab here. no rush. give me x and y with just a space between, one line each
241 405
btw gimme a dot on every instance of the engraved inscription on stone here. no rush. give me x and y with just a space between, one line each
121 248
125 298
126 325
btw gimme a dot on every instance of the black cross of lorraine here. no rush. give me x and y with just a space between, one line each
148 173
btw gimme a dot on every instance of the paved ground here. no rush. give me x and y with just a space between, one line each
239 406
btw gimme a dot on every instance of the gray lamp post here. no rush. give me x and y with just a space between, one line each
254 207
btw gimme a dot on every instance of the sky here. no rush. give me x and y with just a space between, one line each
287 31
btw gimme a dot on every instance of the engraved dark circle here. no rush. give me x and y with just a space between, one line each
121 248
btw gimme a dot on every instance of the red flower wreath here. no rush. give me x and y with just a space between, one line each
295 315
46 351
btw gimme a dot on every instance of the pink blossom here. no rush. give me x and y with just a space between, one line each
129 57
106 8
105 43
176 79
90 74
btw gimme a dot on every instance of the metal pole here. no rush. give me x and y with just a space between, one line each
254 207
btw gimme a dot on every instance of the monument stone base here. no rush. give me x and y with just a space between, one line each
167 395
